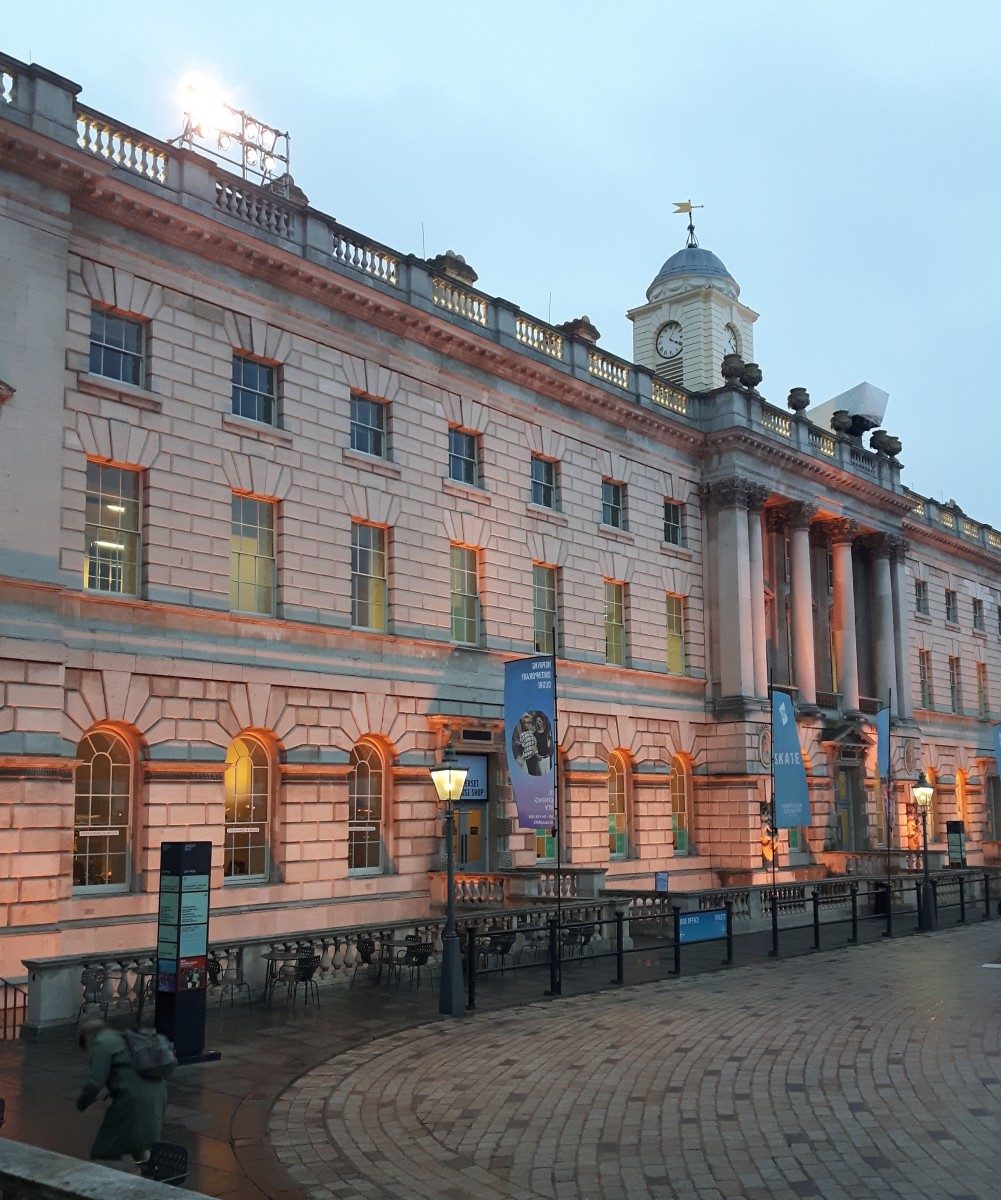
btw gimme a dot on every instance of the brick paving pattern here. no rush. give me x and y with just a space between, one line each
866 1074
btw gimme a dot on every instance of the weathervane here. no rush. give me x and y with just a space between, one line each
686 206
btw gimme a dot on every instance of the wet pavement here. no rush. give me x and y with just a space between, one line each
867 1071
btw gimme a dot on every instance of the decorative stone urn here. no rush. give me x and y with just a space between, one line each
841 421
731 368
751 375
799 398
580 328
453 266
878 440
893 445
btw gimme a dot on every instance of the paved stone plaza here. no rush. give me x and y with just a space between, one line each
868 1073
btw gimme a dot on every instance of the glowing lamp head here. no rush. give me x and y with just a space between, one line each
449 777
922 791
208 114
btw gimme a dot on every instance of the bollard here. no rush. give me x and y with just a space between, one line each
774 952
888 931
470 967
962 900
987 896
677 939
934 902
918 887
853 889
620 947
729 933
816 921
555 987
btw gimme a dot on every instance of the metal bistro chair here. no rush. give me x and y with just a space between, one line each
365 956
301 971
230 978
497 951
415 957
92 980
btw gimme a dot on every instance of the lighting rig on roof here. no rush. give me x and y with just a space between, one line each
259 151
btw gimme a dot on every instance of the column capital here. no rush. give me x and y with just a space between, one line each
757 494
879 543
732 492
794 515
898 546
839 530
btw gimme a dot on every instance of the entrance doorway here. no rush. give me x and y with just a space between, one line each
851 823
469 843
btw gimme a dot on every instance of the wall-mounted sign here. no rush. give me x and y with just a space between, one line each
475 787
705 926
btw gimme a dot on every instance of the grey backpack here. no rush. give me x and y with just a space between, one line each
152 1054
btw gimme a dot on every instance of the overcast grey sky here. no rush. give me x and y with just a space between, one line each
847 155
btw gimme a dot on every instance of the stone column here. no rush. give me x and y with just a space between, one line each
902 700
883 622
842 534
798 517
734 587
756 497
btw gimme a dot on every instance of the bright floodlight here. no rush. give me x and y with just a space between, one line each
204 107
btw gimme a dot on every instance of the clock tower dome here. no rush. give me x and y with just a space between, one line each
692 318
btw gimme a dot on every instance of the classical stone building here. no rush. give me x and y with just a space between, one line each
279 502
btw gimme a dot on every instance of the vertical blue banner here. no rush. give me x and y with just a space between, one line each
792 798
997 746
530 736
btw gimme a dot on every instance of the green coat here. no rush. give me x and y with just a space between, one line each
134 1121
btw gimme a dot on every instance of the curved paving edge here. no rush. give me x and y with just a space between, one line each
872 1073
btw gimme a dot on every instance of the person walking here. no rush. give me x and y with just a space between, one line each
134 1121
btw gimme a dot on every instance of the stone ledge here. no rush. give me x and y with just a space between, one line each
28 1173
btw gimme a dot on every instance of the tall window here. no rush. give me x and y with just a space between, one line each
951 607
676 635
544 593
978 615
921 597
112 524
254 395
613 504
955 685
993 785
925 679
465 596
674 523
369 426
615 623
366 808
102 812
681 817
962 800
247 784
368 576
464 456
545 845
618 831
117 347
545 483
252 556
983 698
829 560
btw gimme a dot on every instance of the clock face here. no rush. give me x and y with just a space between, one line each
731 340
669 340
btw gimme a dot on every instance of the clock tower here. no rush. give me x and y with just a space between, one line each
692 318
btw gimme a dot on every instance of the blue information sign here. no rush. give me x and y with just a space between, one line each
702 926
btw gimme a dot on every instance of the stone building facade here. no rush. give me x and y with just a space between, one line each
279 503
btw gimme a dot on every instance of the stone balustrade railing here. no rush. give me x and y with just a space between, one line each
671 398
611 370
460 301
121 146
540 337
255 206
371 259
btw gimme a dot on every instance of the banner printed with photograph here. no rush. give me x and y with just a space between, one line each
883 762
530 736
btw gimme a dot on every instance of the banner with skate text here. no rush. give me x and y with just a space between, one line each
530 737
997 746
792 797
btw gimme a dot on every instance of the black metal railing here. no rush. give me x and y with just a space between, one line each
15 1008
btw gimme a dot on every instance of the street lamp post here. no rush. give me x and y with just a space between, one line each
923 792
449 778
